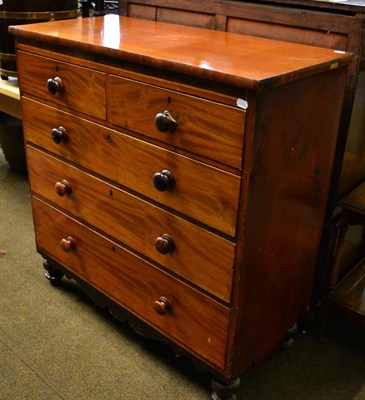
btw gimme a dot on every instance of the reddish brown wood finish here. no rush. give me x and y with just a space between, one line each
73 90
262 213
324 23
62 188
202 192
195 321
339 25
207 54
294 176
199 128
137 224
350 6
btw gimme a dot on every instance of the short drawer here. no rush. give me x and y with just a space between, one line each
190 318
207 194
80 89
201 126
201 257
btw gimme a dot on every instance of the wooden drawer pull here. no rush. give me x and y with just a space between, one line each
63 188
163 180
68 244
59 134
162 305
55 86
164 244
165 122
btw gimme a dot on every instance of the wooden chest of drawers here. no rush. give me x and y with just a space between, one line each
183 175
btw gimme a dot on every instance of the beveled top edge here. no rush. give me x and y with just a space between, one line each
240 60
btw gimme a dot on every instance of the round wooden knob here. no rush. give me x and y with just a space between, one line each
164 244
55 86
162 305
62 188
68 244
59 134
165 122
163 180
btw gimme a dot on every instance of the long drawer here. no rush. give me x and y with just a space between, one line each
79 88
192 123
182 313
137 223
205 193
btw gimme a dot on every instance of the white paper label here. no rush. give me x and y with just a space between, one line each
242 103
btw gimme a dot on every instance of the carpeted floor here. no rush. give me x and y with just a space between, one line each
55 344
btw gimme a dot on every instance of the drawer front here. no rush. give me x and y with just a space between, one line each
204 127
194 321
202 192
82 89
197 255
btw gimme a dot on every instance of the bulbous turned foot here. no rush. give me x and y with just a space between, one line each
52 274
225 390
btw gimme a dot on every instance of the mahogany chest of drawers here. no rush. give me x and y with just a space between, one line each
324 23
182 174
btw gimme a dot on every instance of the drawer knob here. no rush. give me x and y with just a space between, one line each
59 134
55 86
162 305
68 244
163 180
165 122
63 188
164 244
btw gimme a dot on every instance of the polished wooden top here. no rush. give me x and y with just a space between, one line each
240 60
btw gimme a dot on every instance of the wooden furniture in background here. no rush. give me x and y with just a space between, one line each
179 172
10 98
347 288
25 12
11 133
